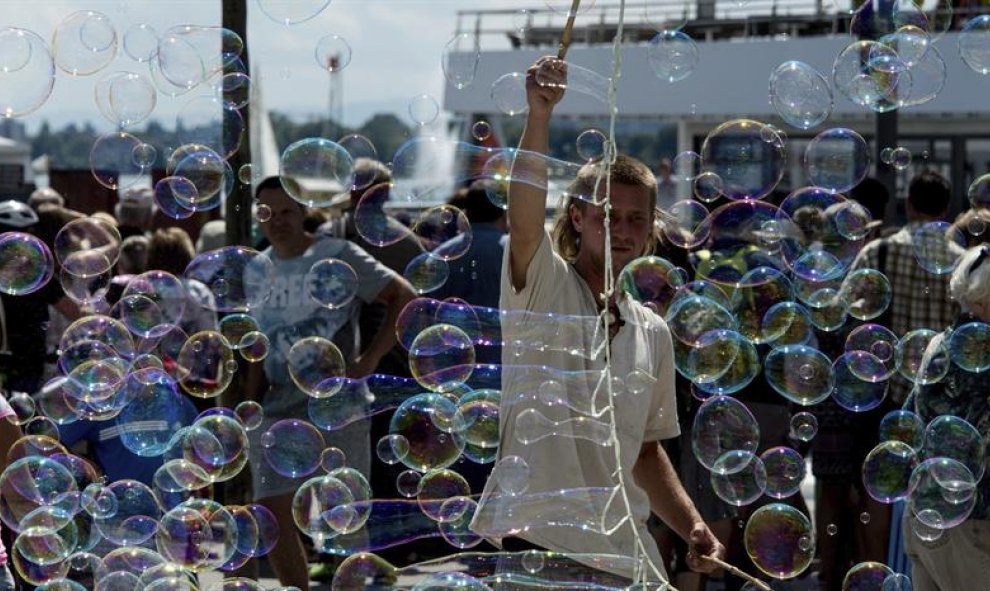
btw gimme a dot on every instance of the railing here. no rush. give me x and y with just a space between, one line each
702 19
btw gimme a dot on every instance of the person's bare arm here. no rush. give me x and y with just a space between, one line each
668 499
528 184
396 294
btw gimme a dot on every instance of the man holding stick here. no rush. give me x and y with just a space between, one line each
580 466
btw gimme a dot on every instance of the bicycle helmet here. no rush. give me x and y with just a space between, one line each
15 214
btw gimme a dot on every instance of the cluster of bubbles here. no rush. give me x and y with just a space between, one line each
768 277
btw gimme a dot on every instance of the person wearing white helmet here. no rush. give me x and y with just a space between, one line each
25 317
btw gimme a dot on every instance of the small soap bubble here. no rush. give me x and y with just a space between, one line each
481 130
901 158
250 414
424 109
831 529
407 483
591 144
804 426
864 518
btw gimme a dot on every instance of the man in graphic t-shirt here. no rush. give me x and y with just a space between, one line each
291 314
580 465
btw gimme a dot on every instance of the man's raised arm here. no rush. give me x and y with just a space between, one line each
528 184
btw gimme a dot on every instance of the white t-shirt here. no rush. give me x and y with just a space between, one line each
554 415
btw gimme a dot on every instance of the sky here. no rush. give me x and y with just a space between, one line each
396 45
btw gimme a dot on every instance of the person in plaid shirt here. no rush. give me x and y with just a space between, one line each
920 299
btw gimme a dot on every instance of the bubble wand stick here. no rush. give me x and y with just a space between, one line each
565 38
738 573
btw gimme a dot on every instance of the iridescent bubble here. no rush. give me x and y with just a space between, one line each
292 13
372 221
84 43
310 165
481 130
423 109
673 55
238 278
171 195
779 540
479 411
429 446
460 60
141 42
206 364
332 53
332 458
938 246
125 99
887 470
759 290
922 356
509 94
979 192
206 169
785 323
708 187
879 360
154 411
711 356
442 358
851 391
904 426
211 122
800 95
111 160
26 263
316 366
27 72
866 575
969 346
785 469
749 167
804 426
974 44
296 448
254 346
800 373
869 82
725 376
391 449
941 492
320 504
685 224
926 532
911 43
136 518
866 293
900 159
437 486
948 436
837 159
407 483
721 425
331 283
686 166
235 90
250 413
591 144
444 231
651 279
739 477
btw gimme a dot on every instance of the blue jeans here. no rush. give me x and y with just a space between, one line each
6 579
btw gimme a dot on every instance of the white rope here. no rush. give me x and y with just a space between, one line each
641 556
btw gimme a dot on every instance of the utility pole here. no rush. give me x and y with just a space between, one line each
239 201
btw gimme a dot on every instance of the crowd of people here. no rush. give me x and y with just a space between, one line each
678 526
